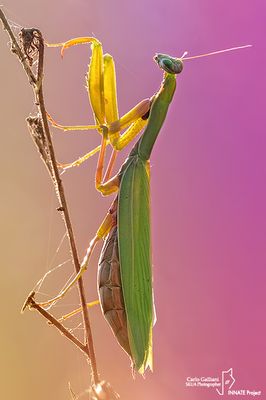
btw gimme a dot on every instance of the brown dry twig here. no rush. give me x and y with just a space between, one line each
32 47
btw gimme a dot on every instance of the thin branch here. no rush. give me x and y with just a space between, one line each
32 40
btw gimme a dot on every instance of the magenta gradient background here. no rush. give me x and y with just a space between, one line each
208 195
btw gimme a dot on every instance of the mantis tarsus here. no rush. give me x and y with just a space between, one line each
125 273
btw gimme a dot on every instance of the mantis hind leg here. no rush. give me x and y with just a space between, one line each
78 310
105 227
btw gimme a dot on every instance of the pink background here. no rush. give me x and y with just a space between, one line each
208 196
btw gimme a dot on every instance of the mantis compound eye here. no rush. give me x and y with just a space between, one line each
169 64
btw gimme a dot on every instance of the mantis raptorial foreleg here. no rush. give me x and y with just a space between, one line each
101 84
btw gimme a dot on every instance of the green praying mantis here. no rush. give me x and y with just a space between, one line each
125 265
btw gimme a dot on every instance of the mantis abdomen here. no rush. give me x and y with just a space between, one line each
110 290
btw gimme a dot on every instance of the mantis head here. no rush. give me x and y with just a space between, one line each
169 64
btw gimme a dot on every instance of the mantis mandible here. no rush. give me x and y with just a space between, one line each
125 266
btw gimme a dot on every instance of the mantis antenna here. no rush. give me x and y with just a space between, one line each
213 52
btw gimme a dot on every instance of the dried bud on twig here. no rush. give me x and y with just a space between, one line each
103 391
30 41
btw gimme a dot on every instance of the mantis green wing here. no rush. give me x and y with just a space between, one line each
134 233
135 260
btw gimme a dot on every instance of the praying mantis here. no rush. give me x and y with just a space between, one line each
125 264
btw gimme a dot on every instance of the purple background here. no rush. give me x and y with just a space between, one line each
208 196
